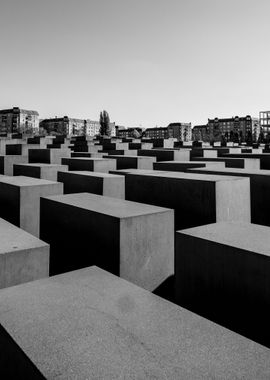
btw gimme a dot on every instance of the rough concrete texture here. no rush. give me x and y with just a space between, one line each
222 273
89 324
102 165
139 243
43 171
133 162
7 162
183 166
23 257
197 199
98 183
20 200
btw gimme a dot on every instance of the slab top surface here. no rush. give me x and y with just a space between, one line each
92 174
89 324
21 181
14 239
130 156
87 159
190 176
246 236
41 165
235 170
115 207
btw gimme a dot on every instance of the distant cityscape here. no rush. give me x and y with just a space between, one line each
246 129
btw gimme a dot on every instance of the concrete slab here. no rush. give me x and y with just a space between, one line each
136 162
263 158
166 155
259 190
222 272
233 162
197 199
20 197
98 183
47 156
103 165
89 324
129 239
183 166
7 162
23 257
43 171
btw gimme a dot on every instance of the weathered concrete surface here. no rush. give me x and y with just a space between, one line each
20 197
98 183
259 190
133 162
43 171
89 324
103 165
132 240
7 162
23 257
183 166
222 272
197 199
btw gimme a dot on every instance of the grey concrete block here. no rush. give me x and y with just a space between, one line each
23 257
98 183
20 197
47 156
129 239
89 324
136 162
222 272
166 154
183 166
197 199
7 162
103 165
43 171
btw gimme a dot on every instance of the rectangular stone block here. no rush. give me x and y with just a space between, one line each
23 257
222 272
263 158
47 156
166 154
115 146
7 162
128 239
183 166
89 324
20 198
233 162
43 171
88 154
133 162
259 190
103 165
209 153
92 182
197 199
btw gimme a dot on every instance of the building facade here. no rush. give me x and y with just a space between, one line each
264 117
237 129
17 120
181 131
71 126
128 132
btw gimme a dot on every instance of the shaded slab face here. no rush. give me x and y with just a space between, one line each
132 240
183 166
222 273
133 162
43 171
20 197
196 199
259 190
102 165
89 324
23 257
97 183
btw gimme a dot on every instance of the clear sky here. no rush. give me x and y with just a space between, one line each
147 62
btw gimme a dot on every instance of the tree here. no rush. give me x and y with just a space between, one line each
261 138
104 121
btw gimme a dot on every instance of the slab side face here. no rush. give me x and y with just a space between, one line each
114 187
10 203
89 324
78 183
147 249
26 170
233 200
79 238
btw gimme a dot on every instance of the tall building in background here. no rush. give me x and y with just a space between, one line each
17 120
236 128
181 131
265 122
71 126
